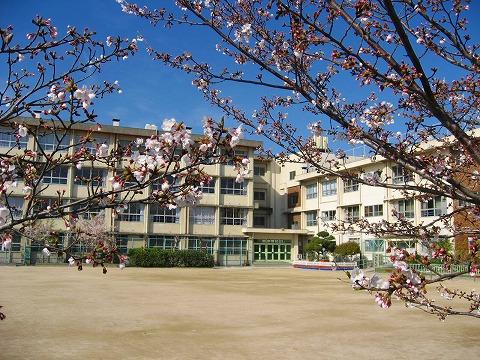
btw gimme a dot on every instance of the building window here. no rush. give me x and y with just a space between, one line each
50 142
15 205
8 139
157 184
400 175
162 241
88 213
352 213
259 170
436 206
259 221
233 216
354 239
292 175
124 144
90 176
311 191
292 199
16 242
43 203
232 246
374 210
329 187
311 218
202 215
375 245
90 146
122 243
405 208
350 185
238 155
208 187
329 215
58 175
260 195
162 214
132 212
203 244
230 186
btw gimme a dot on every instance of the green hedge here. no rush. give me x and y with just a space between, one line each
154 257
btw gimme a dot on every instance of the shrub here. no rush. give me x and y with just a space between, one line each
347 249
154 257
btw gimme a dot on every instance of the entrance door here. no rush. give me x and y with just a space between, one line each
272 252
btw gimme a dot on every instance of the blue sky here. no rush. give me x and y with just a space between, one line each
151 92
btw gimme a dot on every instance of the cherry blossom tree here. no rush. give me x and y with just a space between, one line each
400 76
50 91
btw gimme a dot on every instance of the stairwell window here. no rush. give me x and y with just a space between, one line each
259 170
350 185
311 191
329 215
352 213
400 175
405 208
311 218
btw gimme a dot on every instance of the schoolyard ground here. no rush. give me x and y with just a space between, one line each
226 313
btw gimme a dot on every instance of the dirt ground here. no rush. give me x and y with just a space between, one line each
249 313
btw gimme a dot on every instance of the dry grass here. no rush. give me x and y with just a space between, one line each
250 313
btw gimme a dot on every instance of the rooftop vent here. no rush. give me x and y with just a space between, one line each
116 122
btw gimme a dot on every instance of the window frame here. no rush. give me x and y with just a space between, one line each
199 215
311 191
164 215
233 216
51 177
400 175
259 170
350 185
260 191
438 206
326 215
373 210
329 187
96 183
127 215
401 208
351 218
228 186
49 142
311 218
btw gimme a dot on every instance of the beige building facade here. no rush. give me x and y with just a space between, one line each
267 219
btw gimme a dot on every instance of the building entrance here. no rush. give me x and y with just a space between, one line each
272 250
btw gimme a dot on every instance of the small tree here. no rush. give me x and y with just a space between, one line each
349 248
320 245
